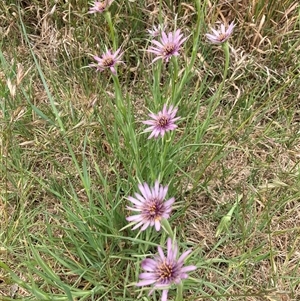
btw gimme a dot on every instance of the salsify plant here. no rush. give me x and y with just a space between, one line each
156 30
164 270
169 45
100 6
151 206
68 160
162 122
108 60
151 159
222 35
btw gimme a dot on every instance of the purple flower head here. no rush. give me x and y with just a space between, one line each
162 271
151 206
168 46
156 30
163 122
100 6
108 60
220 36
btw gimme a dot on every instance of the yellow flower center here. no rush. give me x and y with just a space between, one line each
163 121
153 209
109 61
165 271
169 48
222 37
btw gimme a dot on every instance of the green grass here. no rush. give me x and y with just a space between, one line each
73 148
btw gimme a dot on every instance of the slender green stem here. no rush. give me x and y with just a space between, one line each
156 84
179 292
164 147
174 77
217 97
107 16
166 226
118 93
225 47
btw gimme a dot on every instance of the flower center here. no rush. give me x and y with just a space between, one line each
169 49
109 61
163 121
165 272
153 209
101 5
222 37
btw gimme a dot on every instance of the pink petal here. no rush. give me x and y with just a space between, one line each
169 202
157 58
188 268
157 225
149 122
140 198
164 295
163 192
158 44
145 226
147 276
149 265
138 225
135 201
183 256
223 29
161 253
134 218
164 38
145 282
134 209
